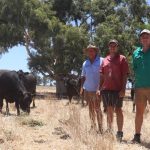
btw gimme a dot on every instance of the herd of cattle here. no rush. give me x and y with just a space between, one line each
20 88
73 84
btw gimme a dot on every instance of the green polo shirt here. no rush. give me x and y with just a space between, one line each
141 67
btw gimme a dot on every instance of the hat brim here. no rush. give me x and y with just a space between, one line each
86 49
144 33
112 42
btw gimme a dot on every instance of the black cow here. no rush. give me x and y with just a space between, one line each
12 90
29 81
73 86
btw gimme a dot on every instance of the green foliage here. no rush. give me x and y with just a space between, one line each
56 31
16 16
65 52
126 20
126 36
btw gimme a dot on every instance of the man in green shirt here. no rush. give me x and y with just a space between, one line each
141 67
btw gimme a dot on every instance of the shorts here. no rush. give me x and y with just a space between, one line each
142 95
90 96
111 98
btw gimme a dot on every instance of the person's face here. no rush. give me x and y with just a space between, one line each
91 53
145 39
113 48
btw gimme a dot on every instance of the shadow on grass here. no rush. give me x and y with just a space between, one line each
145 144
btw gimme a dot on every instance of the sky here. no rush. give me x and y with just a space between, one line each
16 58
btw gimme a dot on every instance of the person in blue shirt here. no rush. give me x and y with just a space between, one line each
90 78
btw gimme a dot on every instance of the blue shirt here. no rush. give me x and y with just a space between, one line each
91 72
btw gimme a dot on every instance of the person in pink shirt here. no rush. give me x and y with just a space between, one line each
114 71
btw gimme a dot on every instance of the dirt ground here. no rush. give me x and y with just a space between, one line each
55 125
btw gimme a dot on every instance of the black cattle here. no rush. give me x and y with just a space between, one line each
12 90
73 86
29 81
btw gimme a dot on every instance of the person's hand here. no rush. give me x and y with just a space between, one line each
98 92
122 93
81 91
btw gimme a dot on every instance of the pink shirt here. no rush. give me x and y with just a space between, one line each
113 70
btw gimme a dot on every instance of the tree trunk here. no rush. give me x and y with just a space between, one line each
60 89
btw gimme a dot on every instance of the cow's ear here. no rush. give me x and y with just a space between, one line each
20 74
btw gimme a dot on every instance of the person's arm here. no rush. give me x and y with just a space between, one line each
125 73
124 81
101 75
82 82
101 80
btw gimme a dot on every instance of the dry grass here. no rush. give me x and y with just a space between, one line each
46 89
32 123
53 125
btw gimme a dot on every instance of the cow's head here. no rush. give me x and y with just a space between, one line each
26 101
71 81
21 75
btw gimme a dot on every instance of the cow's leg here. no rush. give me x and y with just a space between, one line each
17 107
7 108
70 98
78 99
33 99
82 99
33 103
1 105
59 96
133 106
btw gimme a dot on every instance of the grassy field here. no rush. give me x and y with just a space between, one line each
54 125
